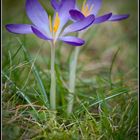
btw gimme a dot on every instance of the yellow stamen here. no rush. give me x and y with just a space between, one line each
83 6
55 26
56 23
50 24
86 10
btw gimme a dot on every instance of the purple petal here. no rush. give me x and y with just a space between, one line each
19 28
37 15
102 18
96 6
76 15
118 17
40 34
66 6
80 25
56 5
74 41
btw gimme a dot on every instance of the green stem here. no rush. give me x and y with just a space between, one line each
72 78
53 79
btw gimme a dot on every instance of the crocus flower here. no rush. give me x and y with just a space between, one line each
50 29
88 7
92 7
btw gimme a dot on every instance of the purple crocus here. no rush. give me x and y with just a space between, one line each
50 29
78 14
92 7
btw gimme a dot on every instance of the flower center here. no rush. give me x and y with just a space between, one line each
54 27
86 9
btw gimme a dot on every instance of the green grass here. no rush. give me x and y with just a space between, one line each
106 96
102 109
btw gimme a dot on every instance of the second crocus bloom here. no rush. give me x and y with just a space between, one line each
92 7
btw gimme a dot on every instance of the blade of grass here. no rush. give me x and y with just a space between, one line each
10 59
111 67
14 55
36 74
108 98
